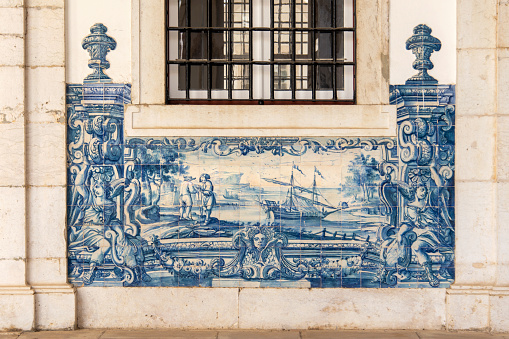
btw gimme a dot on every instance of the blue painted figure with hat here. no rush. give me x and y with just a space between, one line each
208 198
187 189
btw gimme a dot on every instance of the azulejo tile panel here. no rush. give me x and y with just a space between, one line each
261 212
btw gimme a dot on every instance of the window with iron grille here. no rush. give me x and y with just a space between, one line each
260 51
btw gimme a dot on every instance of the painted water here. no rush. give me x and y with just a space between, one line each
361 218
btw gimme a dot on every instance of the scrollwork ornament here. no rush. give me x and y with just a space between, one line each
113 128
112 151
95 151
131 197
75 147
422 128
447 117
408 149
425 152
259 256
89 126
389 277
418 176
368 145
445 155
96 126
389 144
388 170
129 276
112 236
446 172
243 146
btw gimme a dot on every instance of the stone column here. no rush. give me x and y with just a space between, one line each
468 300
16 297
499 308
46 166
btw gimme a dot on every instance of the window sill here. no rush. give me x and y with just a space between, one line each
253 120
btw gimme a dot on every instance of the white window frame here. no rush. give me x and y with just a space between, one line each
148 115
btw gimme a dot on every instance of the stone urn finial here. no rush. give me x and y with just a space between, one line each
422 44
98 44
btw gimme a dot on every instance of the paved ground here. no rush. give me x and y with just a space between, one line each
230 334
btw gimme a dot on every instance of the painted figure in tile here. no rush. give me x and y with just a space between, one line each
95 226
187 189
208 198
423 217
261 256
95 211
259 253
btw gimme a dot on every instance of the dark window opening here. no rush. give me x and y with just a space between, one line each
261 51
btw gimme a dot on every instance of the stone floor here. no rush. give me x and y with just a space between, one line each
231 334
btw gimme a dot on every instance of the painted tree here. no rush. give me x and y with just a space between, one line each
154 166
364 174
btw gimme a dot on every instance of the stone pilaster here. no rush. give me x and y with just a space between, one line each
470 299
55 305
16 297
499 307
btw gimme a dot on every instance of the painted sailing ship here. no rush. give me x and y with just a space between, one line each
298 206
230 195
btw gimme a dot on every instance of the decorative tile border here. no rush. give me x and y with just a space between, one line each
261 212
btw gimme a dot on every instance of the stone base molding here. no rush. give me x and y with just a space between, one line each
17 312
26 308
499 309
477 308
55 307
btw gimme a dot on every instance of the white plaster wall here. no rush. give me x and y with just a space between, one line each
114 14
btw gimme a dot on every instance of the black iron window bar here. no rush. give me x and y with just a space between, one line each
229 60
